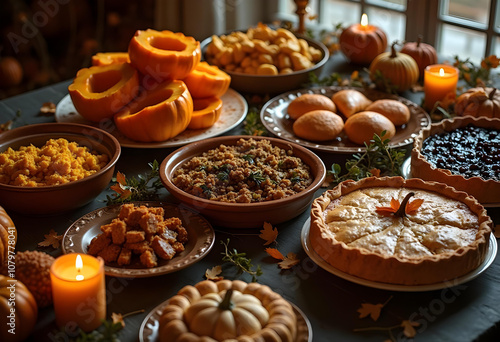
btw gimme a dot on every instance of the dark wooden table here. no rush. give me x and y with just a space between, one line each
466 312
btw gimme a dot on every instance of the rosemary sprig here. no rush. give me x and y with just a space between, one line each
144 187
253 125
378 159
241 261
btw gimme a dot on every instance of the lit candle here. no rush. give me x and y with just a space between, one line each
78 291
362 42
440 81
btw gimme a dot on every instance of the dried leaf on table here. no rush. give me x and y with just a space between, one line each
6 126
214 273
372 310
51 239
268 233
289 261
48 109
118 318
275 253
409 328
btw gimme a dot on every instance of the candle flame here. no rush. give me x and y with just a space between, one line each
364 20
441 72
79 266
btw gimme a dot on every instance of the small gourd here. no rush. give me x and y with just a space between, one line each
479 102
399 69
8 235
25 314
11 72
158 114
424 54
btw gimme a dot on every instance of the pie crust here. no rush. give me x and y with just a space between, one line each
485 191
446 238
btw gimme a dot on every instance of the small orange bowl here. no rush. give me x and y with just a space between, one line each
244 215
53 199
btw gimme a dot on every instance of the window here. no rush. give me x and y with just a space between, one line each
468 28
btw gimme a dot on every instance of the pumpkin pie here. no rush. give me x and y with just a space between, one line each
442 234
466 157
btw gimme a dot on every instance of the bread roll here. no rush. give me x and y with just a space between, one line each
361 127
394 110
318 125
308 102
350 101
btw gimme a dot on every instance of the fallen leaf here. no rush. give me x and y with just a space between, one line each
268 233
118 318
289 261
375 172
275 253
411 207
51 239
6 126
120 178
48 108
214 273
408 328
373 310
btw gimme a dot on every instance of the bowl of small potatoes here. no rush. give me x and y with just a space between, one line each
264 60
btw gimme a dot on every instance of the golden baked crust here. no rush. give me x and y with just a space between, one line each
485 191
446 238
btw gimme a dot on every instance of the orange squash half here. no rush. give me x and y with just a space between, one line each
157 114
164 54
107 58
207 81
206 112
99 92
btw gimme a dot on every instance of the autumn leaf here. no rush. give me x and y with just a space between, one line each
118 318
214 273
275 253
48 108
120 178
51 239
268 233
408 328
375 172
412 207
289 261
388 211
395 207
373 310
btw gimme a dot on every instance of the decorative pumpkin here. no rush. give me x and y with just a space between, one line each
399 69
206 112
207 81
227 310
99 92
11 72
8 235
361 43
164 54
24 317
107 58
479 102
157 114
423 54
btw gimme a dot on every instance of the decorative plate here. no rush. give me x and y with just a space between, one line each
275 118
201 239
234 110
151 324
488 260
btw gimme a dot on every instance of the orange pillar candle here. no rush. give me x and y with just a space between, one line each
440 80
78 291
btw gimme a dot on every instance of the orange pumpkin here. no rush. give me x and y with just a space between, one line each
157 114
25 314
11 72
423 54
99 92
362 43
206 112
164 54
207 81
479 102
399 71
8 235
107 58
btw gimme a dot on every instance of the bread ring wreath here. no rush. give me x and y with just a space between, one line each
227 311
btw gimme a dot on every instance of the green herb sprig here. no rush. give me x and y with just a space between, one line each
252 124
379 157
241 261
141 188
